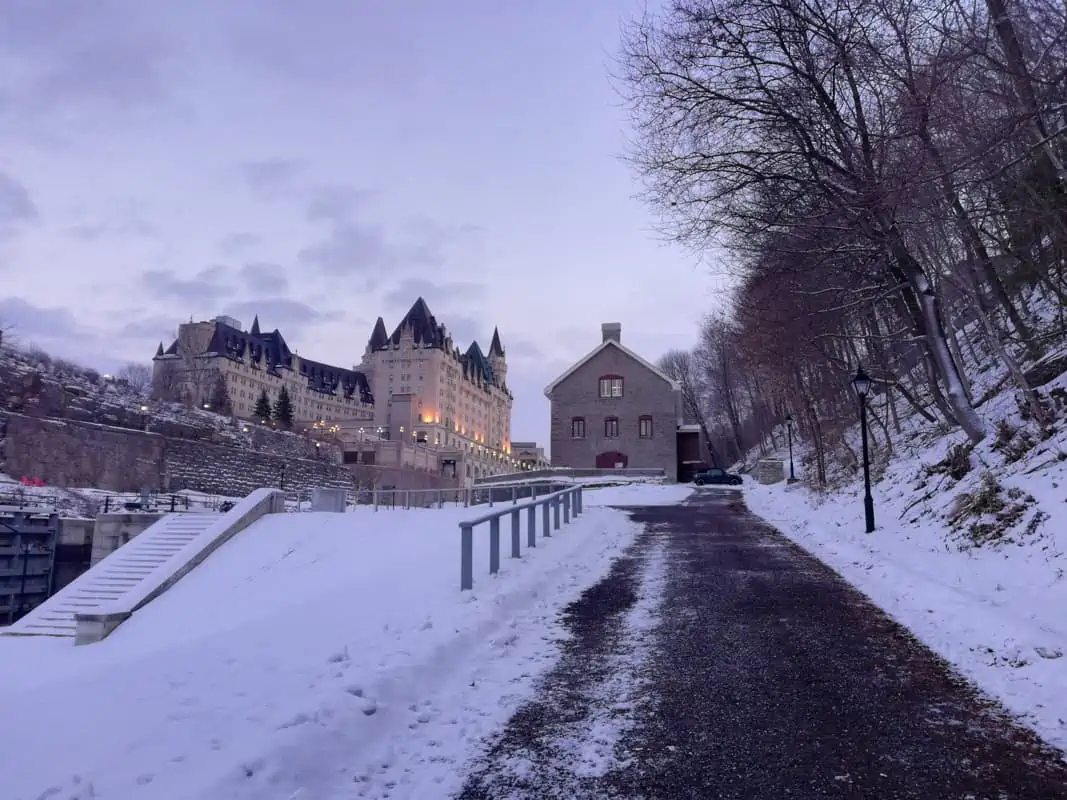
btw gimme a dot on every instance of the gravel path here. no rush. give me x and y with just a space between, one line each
764 676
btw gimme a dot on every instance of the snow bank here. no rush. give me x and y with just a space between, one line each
995 613
313 655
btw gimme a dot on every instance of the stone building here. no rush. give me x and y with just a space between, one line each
251 362
416 399
454 404
529 456
614 409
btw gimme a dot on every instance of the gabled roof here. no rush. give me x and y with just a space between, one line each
601 348
423 325
476 365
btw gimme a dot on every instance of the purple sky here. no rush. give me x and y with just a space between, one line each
324 162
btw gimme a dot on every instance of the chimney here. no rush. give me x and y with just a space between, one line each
612 330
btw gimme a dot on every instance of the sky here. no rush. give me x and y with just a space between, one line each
323 163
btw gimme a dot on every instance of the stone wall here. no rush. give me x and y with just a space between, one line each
236 472
53 390
368 476
81 454
67 453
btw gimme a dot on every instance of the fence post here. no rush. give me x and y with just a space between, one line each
490 490
545 528
531 525
578 500
466 556
515 532
566 507
466 496
555 513
514 494
374 496
107 502
407 499
494 545
440 498
172 499
533 491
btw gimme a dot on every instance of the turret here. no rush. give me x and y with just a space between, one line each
498 359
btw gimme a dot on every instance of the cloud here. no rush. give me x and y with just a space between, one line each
357 46
270 178
465 330
76 57
405 292
205 288
16 205
129 227
289 316
521 350
351 248
264 277
56 331
335 202
30 321
238 242
154 329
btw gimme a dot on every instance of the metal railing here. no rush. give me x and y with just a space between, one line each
566 501
405 499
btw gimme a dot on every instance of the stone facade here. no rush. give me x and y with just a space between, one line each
68 453
589 430
193 364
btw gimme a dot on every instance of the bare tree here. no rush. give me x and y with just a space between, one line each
137 376
681 366
755 116
886 180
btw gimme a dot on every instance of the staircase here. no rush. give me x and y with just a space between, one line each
118 574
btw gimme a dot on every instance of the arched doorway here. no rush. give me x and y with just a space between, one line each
611 460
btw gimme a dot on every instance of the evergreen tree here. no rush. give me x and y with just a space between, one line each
262 411
283 408
220 396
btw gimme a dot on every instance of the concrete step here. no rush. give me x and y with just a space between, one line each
113 577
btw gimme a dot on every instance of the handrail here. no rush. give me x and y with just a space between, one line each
565 499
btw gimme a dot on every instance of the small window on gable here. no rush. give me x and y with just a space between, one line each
611 428
578 428
644 427
610 386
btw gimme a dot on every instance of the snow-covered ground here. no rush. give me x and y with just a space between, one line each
973 564
313 656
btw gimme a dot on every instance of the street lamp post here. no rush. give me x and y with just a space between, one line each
789 425
862 384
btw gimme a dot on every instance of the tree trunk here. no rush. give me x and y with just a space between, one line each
936 343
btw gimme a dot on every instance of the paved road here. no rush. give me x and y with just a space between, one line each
766 677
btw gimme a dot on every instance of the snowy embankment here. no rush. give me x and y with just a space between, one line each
315 655
973 564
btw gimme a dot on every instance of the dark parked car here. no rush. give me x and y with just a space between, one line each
716 476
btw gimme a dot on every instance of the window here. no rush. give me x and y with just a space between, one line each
611 428
610 386
578 428
644 427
